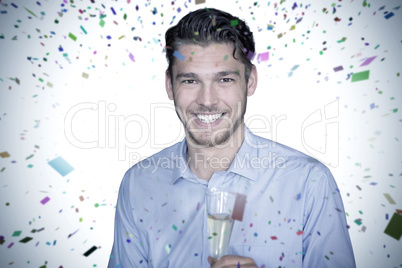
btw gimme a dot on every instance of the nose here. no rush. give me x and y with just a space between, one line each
207 96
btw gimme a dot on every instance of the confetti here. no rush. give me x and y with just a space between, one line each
26 239
45 200
82 28
178 55
131 56
394 227
90 251
339 68
234 22
73 37
390 199
167 248
360 76
389 15
239 206
30 12
368 61
17 233
263 56
4 155
61 166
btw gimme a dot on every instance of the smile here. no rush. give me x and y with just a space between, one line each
209 118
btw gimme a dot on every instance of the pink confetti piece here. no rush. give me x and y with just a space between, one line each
300 232
263 56
239 206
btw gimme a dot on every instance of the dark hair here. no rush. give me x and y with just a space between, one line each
206 26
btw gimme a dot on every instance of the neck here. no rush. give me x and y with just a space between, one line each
204 162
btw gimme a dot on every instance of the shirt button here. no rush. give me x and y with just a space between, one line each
213 189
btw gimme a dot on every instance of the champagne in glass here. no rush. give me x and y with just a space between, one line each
220 229
220 223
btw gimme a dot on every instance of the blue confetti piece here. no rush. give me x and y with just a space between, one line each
61 166
114 12
372 106
178 55
389 15
14 5
298 196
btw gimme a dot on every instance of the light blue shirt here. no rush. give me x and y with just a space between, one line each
294 216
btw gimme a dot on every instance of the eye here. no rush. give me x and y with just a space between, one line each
189 81
226 80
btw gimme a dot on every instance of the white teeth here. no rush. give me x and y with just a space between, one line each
210 118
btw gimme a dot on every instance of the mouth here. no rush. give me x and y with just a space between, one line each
209 118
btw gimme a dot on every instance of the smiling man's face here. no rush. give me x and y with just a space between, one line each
210 92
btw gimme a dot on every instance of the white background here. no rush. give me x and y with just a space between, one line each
353 127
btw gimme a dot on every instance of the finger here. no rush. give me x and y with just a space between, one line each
211 260
234 262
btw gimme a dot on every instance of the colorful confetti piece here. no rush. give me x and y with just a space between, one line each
61 166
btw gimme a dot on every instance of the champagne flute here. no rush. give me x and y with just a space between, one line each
220 223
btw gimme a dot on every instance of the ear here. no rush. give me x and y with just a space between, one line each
252 81
168 85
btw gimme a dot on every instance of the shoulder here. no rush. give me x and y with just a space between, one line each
163 162
285 158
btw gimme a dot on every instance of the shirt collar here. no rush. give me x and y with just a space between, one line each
241 165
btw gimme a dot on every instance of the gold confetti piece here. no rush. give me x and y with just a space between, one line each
390 200
4 154
30 12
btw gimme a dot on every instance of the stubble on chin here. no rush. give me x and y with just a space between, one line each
218 138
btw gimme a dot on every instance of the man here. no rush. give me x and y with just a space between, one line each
294 215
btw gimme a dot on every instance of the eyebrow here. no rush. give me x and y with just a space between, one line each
226 73
216 75
186 75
